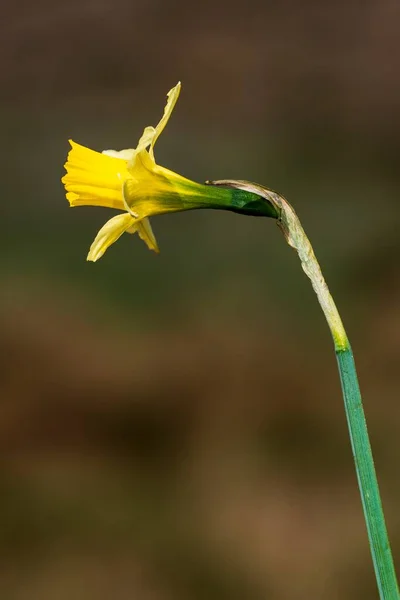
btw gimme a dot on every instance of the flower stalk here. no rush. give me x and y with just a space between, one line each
296 237
131 182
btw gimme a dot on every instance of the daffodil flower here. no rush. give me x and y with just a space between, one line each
131 181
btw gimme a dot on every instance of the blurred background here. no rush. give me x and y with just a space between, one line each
171 427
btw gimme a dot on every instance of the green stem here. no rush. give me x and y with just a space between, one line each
295 236
367 481
366 475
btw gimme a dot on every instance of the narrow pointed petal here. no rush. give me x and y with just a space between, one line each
172 98
147 138
145 232
108 234
144 142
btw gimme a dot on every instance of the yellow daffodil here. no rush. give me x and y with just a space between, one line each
131 181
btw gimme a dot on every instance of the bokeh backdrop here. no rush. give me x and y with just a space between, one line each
171 427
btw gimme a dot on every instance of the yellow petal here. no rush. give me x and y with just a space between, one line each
108 234
147 138
172 98
146 234
145 141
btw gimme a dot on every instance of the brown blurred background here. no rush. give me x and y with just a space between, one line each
172 428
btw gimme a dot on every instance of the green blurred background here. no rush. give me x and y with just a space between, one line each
171 427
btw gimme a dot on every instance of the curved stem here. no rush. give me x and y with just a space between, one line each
359 438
